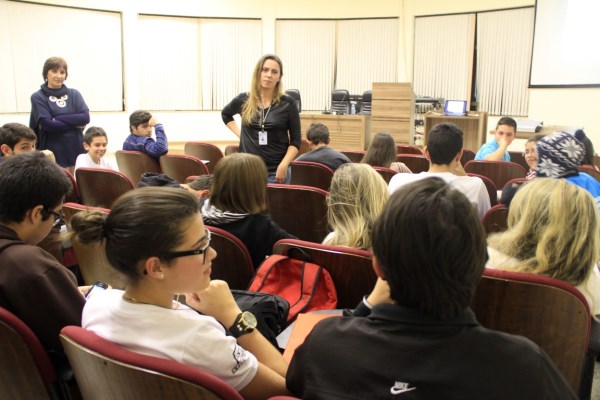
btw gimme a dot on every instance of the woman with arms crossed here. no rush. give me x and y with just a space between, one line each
270 120
59 115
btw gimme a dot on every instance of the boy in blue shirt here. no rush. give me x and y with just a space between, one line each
495 149
141 124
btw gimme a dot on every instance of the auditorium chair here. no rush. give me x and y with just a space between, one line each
134 163
495 219
490 187
300 210
499 172
550 312
205 152
408 149
310 173
105 370
295 94
26 371
416 163
355 156
351 269
180 166
101 187
233 263
386 173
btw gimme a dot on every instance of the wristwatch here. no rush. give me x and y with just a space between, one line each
244 323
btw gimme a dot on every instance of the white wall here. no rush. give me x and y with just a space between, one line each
554 106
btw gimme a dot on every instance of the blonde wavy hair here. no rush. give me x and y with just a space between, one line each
356 198
251 105
552 230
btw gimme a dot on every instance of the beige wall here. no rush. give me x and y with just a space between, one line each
554 106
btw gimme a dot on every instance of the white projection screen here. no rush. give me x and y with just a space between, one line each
566 50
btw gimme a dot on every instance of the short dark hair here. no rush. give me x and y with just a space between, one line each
203 182
92 132
13 132
431 247
29 180
138 117
54 63
507 121
444 143
317 133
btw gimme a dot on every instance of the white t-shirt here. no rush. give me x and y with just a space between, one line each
590 289
179 334
470 186
85 161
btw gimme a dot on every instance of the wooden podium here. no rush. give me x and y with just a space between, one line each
473 125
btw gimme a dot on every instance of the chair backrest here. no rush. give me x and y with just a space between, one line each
311 174
179 166
73 195
355 156
134 163
233 264
416 163
204 151
496 219
588 169
101 187
467 156
491 188
408 149
105 370
351 269
551 313
366 102
499 172
91 257
386 173
232 148
25 369
295 94
304 147
340 101
519 158
300 210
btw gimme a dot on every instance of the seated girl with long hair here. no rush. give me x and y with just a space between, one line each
356 197
238 202
382 153
553 231
156 238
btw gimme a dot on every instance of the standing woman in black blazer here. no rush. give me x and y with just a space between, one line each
270 120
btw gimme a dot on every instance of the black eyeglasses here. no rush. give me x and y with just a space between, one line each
59 217
185 253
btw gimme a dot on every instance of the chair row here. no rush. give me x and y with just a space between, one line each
552 313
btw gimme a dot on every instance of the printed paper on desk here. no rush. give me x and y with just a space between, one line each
302 327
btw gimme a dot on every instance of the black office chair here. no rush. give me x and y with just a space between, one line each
340 101
295 94
366 103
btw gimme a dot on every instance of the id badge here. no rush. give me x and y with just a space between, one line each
262 138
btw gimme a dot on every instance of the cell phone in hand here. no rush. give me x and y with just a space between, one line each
97 287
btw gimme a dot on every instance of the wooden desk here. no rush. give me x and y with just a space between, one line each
346 132
473 126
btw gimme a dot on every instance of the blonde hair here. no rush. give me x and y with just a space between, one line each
240 184
552 230
356 198
251 105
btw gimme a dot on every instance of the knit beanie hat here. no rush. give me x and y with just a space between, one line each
559 155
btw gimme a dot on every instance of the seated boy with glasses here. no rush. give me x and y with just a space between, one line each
33 284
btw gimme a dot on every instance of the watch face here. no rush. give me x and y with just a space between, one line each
249 319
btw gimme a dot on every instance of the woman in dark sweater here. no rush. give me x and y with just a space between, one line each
238 200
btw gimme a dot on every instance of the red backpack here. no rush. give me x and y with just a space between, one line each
306 286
